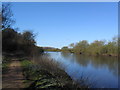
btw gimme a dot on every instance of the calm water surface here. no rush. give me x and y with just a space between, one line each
102 72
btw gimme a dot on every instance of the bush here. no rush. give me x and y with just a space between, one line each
16 42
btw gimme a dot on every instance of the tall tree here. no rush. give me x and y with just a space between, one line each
28 42
81 46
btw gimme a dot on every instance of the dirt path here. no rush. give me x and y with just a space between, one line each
13 78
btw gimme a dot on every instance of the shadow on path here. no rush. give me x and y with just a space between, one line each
13 78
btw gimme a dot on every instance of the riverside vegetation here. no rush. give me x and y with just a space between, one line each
45 73
98 47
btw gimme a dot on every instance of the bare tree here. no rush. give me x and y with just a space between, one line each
7 19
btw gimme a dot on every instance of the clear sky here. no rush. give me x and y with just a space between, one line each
59 24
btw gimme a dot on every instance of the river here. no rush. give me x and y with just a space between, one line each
97 71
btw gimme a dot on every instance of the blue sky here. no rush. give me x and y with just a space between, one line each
59 24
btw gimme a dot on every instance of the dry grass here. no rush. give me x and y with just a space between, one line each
48 64
44 62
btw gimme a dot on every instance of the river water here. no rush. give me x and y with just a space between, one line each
97 71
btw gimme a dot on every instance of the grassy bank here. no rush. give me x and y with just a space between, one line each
89 54
39 76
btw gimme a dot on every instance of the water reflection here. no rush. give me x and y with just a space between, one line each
102 69
99 62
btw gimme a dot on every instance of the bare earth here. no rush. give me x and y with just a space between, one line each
13 78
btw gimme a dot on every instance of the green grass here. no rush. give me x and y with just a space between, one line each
26 63
5 64
28 69
5 67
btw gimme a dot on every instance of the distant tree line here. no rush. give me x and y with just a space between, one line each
51 49
98 47
14 42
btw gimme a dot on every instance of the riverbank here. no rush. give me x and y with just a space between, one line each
42 78
24 73
68 50
111 55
